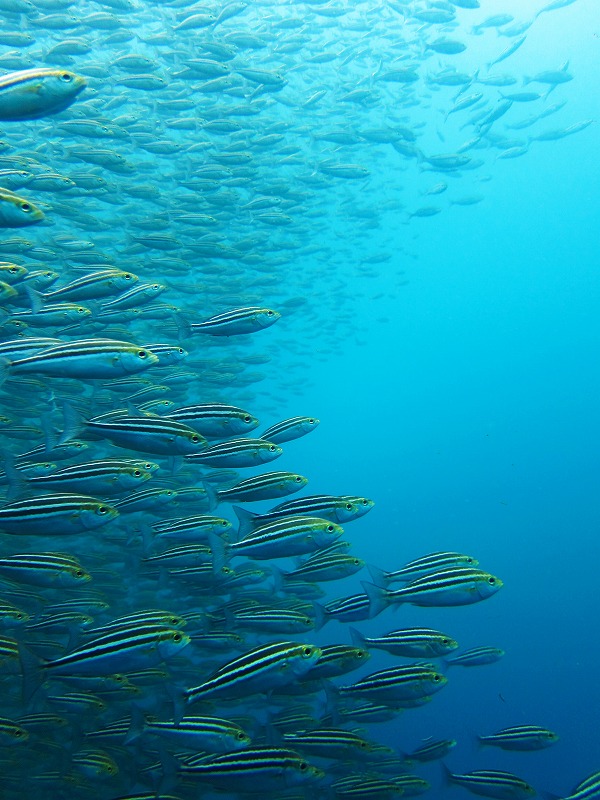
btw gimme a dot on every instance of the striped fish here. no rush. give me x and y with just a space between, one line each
420 567
208 734
258 670
126 649
269 486
265 769
273 620
329 743
331 567
140 294
409 642
290 536
397 684
149 434
364 787
216 420
337 509
290 429
476 657
238 453
432 751
85 359
93 285
493 783
345 609
104 477
521 737
588 789
144 618
55 514
35 93
186 555
44 569
145 500
237 321
191 528
453 587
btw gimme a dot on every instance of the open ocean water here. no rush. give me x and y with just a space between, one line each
394 207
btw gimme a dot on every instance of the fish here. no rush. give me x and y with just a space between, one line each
521 738
39 92
493 783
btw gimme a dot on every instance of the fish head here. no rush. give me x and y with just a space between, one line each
240 423
269 452
487 585
326 533
435 681
62 85
265 317
17 212
96 514
171 641
74 576
189 442
135 359
301 771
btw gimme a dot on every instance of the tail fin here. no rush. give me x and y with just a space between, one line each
136 727
378 576
247 520
378 598
358 640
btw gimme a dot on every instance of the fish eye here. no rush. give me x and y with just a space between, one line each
102 509
142 353
127 276
247 418
26 207
66 77
176 637
330 529
195 438
269 313
272 448
180 350
356 562
308 651
225 523
492 581
79 573
137 473
349 506
241 736
469 560
303 766
365 502
437 678
18 734
14 271
81 310
445 641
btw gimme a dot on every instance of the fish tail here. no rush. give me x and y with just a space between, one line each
378 598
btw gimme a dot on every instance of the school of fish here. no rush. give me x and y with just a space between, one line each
180 167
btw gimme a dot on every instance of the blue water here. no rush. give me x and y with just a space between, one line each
456 381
